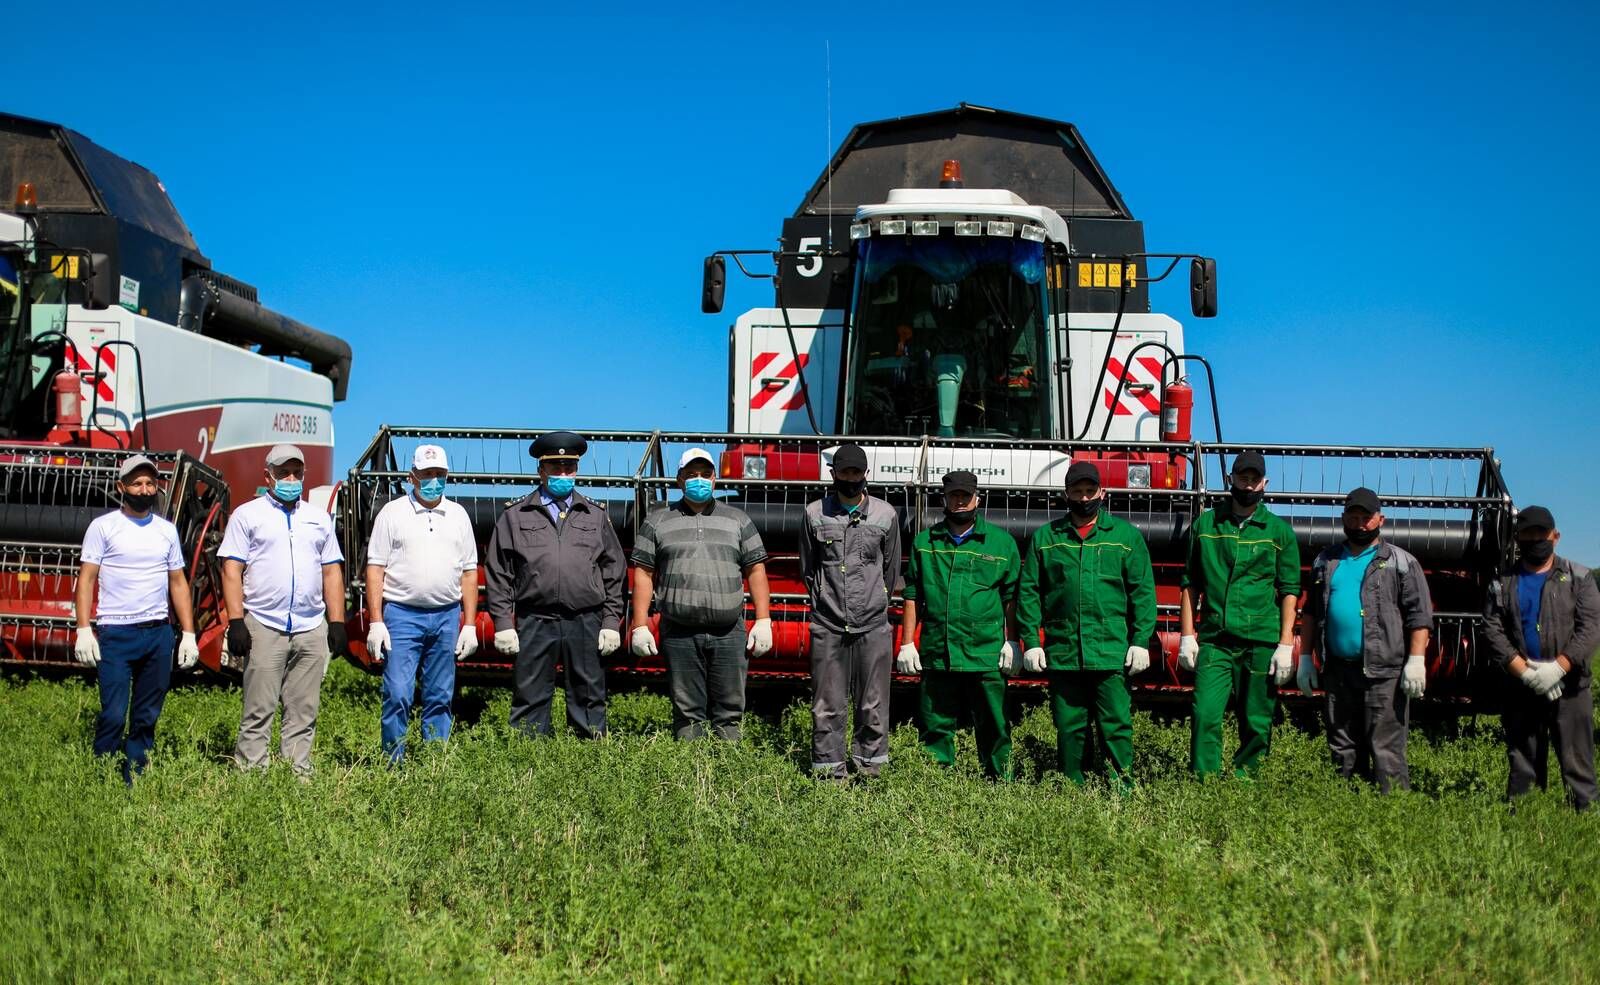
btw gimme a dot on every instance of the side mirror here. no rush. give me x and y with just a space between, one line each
712 284
99 292
1203 287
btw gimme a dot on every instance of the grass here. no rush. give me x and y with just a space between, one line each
640 859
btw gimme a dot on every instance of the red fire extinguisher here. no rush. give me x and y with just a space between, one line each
1177 403
68 406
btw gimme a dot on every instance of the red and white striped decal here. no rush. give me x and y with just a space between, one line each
763 394
108 359
1147 399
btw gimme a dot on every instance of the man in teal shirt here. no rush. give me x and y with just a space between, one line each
1368 616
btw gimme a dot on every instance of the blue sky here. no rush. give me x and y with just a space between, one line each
504 212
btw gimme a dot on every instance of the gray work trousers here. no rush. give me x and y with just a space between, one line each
281 669
574 640
1368 722
705 675
1533 723
845 665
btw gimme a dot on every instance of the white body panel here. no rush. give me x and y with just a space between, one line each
765 386
1136 416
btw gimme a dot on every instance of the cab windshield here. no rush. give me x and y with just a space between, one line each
949 338
32 304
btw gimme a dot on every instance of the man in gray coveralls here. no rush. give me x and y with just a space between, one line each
850 560
554 573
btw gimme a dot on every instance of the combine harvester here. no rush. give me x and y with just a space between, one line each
967 289
116 335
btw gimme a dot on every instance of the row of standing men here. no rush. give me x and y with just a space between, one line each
1081 594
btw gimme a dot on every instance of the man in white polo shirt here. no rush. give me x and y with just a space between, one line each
134 558
422 579
283 584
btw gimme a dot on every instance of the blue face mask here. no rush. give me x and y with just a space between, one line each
430 489
560 486
287 490
698 490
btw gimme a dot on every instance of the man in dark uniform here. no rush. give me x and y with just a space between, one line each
554 573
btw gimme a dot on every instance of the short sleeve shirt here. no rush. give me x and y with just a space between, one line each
284 552
135 556
699 560
423 551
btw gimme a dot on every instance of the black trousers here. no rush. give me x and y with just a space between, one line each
1534 723
1368 721
574 640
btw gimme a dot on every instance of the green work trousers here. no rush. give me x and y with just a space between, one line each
1082 699
1239 672
945 695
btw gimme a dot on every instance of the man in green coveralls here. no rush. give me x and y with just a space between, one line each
962 583
1086 581
1243 574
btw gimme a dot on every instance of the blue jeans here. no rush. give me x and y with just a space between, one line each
426 637
136 664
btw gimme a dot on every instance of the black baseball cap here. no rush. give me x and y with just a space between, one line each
1081 471
849 457
1247 461
960 481
1362 498
1535 516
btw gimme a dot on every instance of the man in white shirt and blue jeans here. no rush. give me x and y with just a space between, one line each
422 578
133 557
283 584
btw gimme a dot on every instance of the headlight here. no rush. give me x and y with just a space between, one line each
1138 476
892 227
1001 228
860 230
755 467
925 227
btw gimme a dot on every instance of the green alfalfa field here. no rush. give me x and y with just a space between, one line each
496 858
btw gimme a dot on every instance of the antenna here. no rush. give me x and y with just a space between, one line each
827 152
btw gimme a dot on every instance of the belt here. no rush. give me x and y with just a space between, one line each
147 624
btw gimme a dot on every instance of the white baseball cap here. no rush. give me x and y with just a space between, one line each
284 453
695 455
429 457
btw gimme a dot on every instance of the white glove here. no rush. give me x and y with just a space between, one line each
1282 664
908 661
1008 659
188 651
1033 661
1138 660
507 643
467 641
1415 677
642 643
1305 674
1546 678
378 645
610 642
759 642
1188 652
87 648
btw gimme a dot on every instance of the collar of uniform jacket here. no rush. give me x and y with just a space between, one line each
980 527
833 507
1258 516
536 501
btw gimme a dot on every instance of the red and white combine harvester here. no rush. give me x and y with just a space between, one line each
117 335
968 289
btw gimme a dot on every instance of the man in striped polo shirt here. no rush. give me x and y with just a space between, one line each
690 557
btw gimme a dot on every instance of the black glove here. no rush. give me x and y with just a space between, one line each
238 638
338 638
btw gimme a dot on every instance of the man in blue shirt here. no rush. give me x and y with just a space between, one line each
1367 615
283 585
1542 623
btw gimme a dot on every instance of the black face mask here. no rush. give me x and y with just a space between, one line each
1359 537
139 502
960 518
1083 509
1246 497
1536 551
845 487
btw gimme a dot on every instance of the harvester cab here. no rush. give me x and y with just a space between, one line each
1003 296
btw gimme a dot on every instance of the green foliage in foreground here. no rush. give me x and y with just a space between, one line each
637 858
